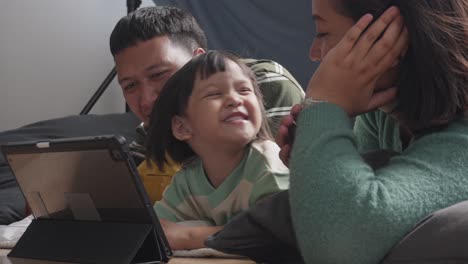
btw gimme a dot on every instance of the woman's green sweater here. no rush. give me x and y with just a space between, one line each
345 212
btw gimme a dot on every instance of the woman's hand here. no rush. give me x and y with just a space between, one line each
286 133
347 75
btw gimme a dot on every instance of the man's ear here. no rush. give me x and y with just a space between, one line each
181 129
198 51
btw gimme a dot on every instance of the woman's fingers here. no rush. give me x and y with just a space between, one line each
295 110
285 134
369 38
385 45
347 43
284 154
382 98
396 53
348 74
282 137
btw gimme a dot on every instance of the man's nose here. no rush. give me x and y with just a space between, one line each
148 97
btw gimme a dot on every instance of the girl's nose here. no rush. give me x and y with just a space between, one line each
233 99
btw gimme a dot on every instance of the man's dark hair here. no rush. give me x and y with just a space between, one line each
173 101
149 22
432 86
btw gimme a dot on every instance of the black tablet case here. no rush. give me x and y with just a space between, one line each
88 201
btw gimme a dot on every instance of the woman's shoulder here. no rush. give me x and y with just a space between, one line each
455 128
447 143
459 125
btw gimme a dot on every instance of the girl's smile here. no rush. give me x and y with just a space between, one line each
223 110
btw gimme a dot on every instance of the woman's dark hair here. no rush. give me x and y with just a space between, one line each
433 78
149 22
173 100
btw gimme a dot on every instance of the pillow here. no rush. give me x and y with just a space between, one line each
264 233
440 238
12 205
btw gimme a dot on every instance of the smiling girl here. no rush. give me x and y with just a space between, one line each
210 118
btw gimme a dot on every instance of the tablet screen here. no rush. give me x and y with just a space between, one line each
93 185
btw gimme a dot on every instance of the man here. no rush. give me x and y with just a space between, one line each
150 45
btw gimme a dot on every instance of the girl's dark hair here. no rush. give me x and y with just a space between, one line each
432 85
173 100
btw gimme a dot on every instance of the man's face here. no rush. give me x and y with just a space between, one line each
144 68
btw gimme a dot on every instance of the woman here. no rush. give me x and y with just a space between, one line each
411 64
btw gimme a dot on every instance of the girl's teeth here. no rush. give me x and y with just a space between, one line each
234 118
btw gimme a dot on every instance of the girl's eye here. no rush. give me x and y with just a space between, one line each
212 94
245 90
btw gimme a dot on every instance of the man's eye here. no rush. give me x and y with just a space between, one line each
129 87
157 75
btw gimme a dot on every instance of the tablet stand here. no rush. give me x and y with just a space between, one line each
89 242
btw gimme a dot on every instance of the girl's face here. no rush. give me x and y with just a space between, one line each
331 26
223 109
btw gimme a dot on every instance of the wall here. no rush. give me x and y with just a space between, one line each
271 29
53 56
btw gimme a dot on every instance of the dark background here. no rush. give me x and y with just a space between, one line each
262 29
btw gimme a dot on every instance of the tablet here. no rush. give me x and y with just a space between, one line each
83 179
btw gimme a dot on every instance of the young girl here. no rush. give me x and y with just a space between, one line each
412 63
210 117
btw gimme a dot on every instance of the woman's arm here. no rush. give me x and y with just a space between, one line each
345 212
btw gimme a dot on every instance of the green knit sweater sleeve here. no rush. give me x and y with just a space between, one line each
345 212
